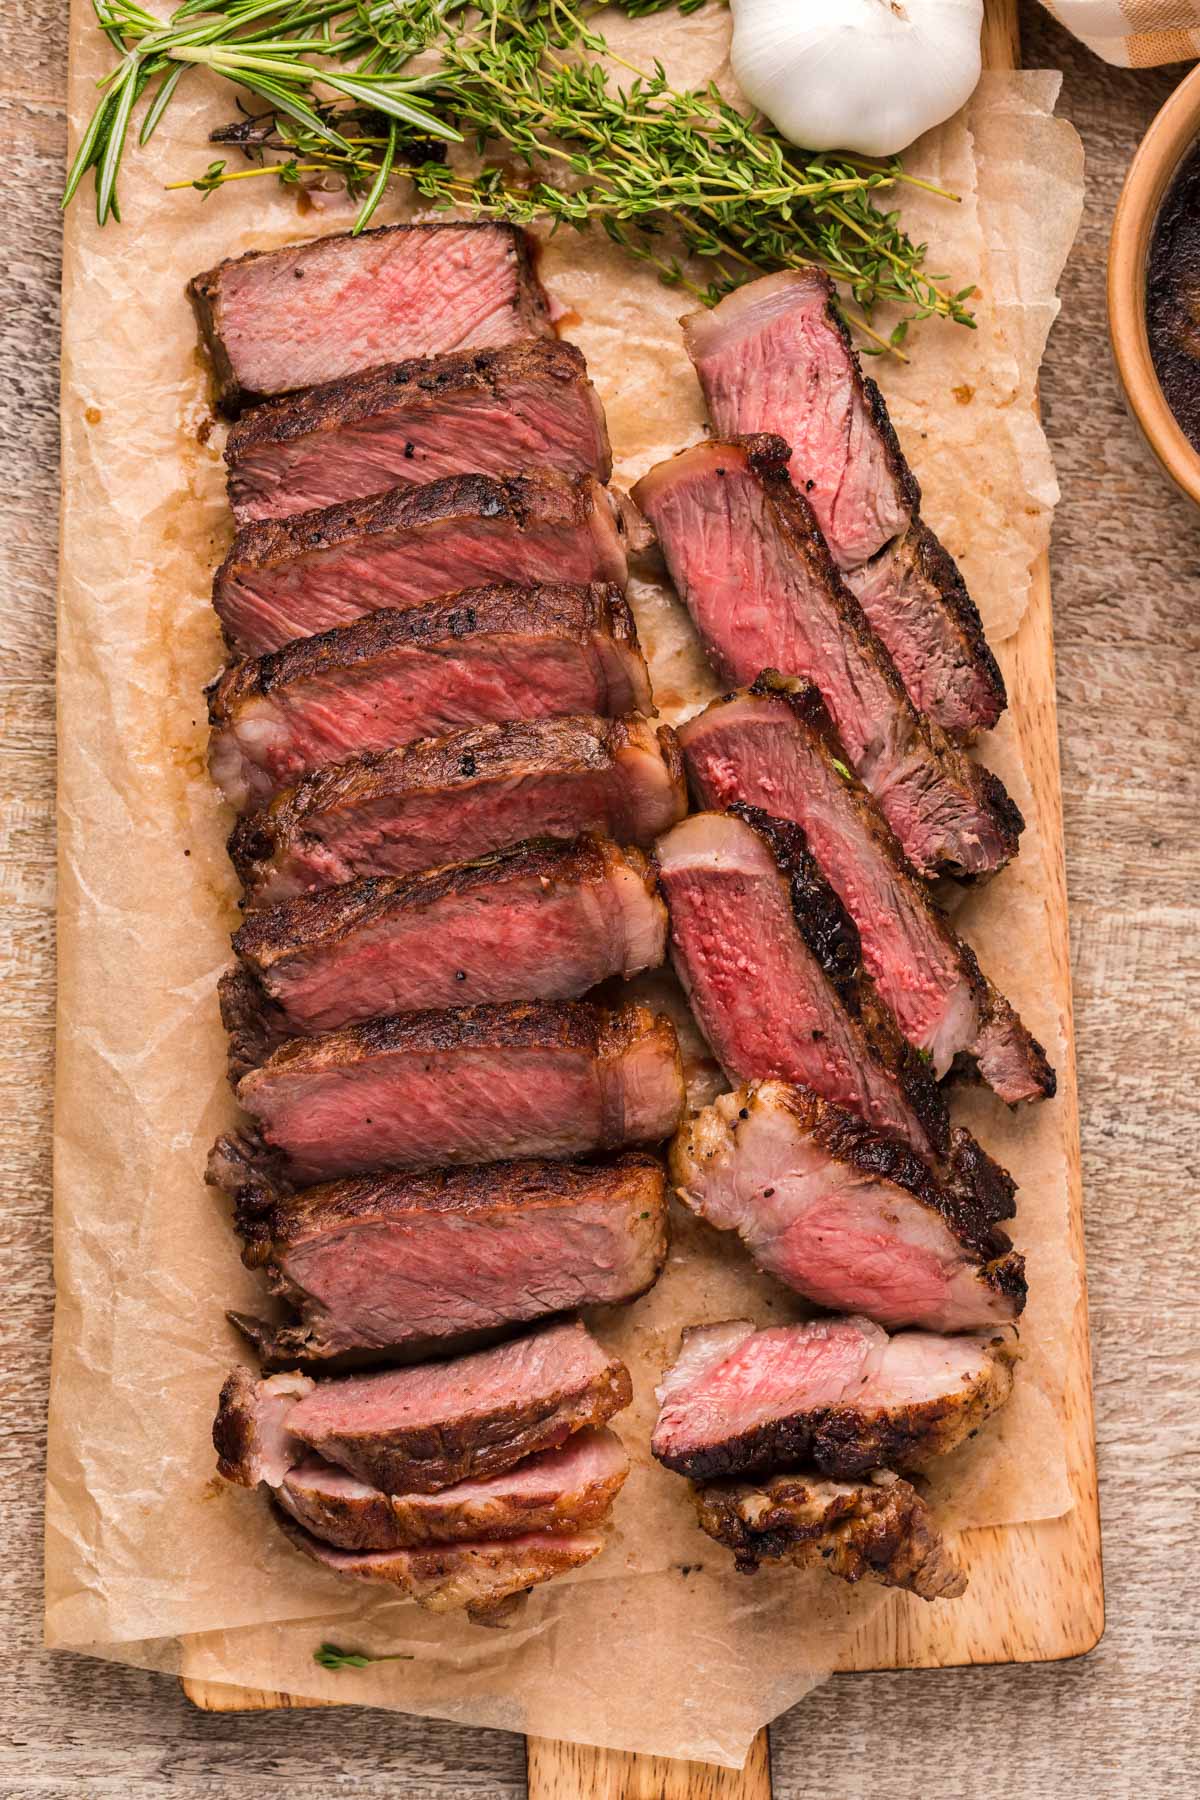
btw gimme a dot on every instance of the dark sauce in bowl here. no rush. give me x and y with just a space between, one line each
1173 296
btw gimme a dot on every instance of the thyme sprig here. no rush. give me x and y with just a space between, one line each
332 1656
560 128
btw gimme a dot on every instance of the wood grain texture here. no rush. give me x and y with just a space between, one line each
1126 573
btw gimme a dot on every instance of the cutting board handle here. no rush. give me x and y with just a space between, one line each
559 1771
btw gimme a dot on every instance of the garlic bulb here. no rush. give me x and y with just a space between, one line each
865 75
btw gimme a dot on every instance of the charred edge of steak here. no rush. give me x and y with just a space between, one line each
557 500
551 1025
832 937
768 457
880 1528
558 609
331 914
940 570
979 1183
240 1164
522 1186
235 1429
296 1345
1037 1067
354 397
970 1210
256 1026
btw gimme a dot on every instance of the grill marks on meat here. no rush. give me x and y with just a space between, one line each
434 801
544 920
747 558
838 1395
473 658
278 320
484 1084
290 578
847 1217
770 962
491 412
558 1491
774 745
446 1577
776 357
880 1529
420 1264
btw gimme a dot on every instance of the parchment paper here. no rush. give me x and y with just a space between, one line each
150 1558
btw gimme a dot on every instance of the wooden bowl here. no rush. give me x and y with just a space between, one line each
1159 155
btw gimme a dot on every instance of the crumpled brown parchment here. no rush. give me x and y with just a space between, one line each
151 1559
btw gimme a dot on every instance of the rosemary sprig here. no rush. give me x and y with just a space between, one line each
331 1656
674 177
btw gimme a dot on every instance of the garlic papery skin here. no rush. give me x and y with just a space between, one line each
864 75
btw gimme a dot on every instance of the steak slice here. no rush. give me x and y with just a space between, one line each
421 805
775 356
276 320
445 1577
774 745
848 1218
770 962
431 1262
421 1429
491 412
745 553
560 1491
290 578
879 1528
544 920
250 1433
838 1394
482 1085
473 658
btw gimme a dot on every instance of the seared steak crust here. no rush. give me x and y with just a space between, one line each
832 937
879 1528
526 405
224 295
354 818
250 1434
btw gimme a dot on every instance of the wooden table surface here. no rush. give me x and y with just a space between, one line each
1126 569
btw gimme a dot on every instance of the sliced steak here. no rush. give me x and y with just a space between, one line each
559 1491
290 578
748 559
775 356
485 1084
277 320
773 745
544 920
421 1429
446 1577
394 812
422 1264
837 1394
250 1433
489 412
848 1218
769 960
474 658
879 1528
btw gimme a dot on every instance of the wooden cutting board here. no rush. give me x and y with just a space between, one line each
1036 1592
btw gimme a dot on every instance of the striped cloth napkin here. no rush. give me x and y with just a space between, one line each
1134 34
